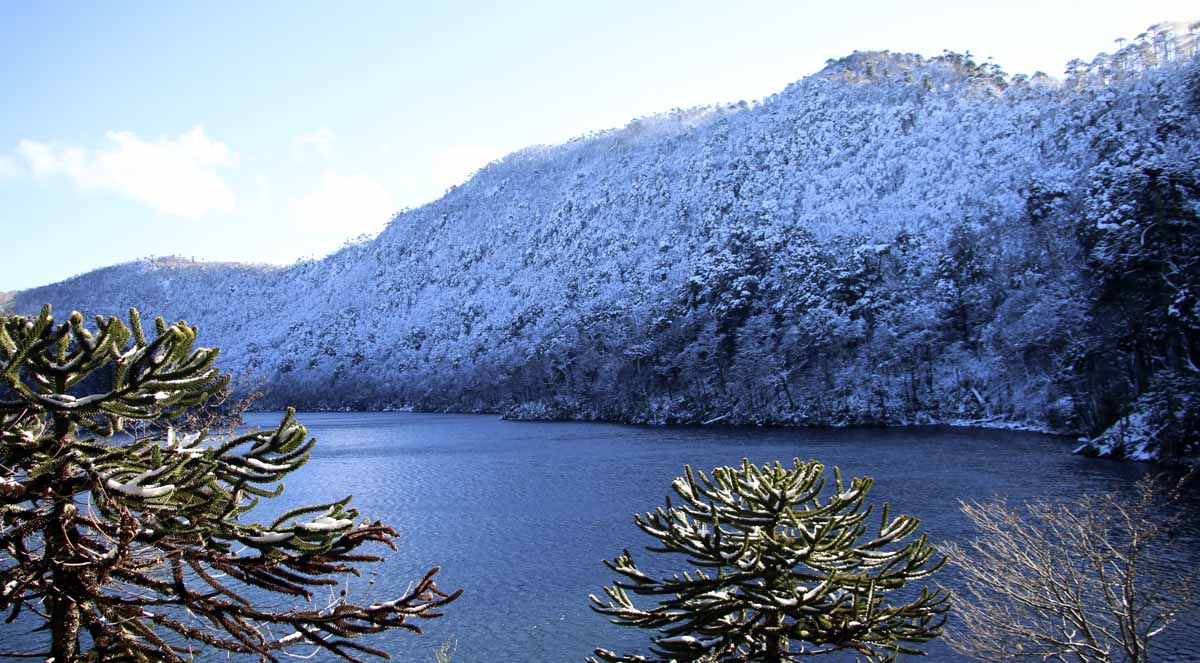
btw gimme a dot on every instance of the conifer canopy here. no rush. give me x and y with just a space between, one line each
138 547
781 572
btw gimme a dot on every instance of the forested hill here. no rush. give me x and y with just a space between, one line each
891 240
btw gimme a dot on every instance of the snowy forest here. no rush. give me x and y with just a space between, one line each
892 240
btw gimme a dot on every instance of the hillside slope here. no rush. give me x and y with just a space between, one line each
891 240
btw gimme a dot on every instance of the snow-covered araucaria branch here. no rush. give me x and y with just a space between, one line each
781 572
139 548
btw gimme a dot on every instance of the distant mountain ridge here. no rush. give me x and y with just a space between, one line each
892 240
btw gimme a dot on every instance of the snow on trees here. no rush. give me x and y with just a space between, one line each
998 205
781 571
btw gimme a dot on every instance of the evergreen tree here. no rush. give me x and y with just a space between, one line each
782 573
139 550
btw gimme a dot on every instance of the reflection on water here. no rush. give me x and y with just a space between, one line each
521 514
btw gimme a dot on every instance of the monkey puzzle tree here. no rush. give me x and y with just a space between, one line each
781 574
137 549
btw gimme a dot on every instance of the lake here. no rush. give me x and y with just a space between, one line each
520 515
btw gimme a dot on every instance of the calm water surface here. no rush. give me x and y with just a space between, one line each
520 515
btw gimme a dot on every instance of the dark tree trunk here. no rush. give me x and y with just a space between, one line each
60 534
774 652
64 602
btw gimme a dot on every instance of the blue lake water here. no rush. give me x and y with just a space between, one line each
520 515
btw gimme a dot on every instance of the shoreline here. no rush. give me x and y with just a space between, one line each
1084 446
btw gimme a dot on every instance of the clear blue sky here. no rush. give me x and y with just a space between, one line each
264 132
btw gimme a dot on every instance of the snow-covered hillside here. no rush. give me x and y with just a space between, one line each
894 239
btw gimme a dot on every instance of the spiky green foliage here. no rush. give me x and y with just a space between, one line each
138 548
781 572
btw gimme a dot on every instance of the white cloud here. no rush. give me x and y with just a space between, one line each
319 141
9 168
342 207
173 175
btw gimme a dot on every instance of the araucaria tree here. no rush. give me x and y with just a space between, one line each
139 548
781 572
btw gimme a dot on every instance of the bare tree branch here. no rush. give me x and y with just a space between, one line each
1087 580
